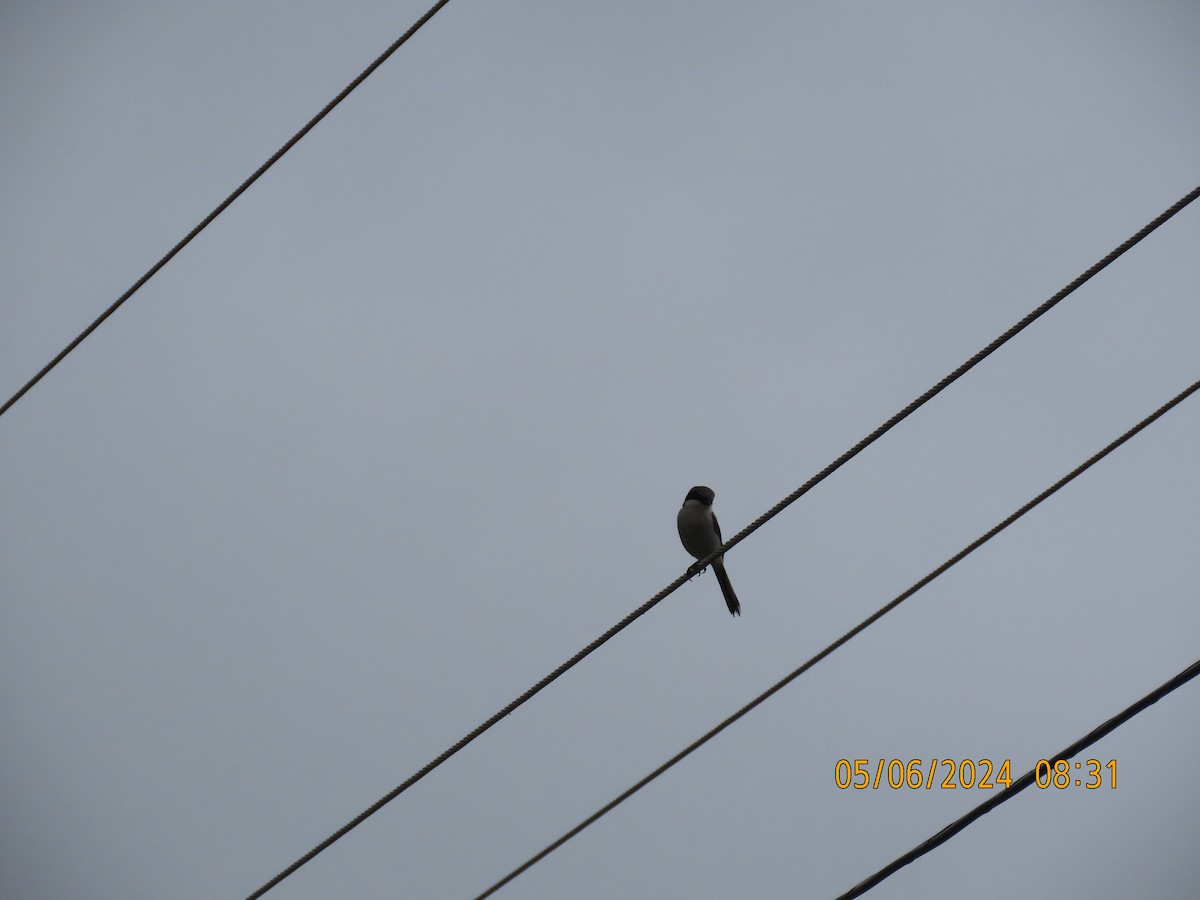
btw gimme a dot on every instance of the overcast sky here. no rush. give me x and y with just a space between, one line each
409 425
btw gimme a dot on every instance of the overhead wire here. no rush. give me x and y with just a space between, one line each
812 482
1022 783
224 204
878 614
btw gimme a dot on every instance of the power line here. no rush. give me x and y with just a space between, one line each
1112 256
1021 783
887 426
241 189
882 611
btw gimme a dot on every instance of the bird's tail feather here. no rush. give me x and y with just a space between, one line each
731 600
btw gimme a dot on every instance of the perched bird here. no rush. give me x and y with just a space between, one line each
701 535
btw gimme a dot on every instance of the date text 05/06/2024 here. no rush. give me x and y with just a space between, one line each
984 774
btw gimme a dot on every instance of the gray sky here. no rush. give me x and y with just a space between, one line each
410 423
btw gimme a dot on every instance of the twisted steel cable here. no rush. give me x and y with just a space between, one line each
1022 783
224 204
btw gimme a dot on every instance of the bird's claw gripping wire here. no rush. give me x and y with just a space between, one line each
696 569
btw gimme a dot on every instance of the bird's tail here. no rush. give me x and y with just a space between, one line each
731 600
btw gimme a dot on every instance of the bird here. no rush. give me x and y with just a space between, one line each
701 535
